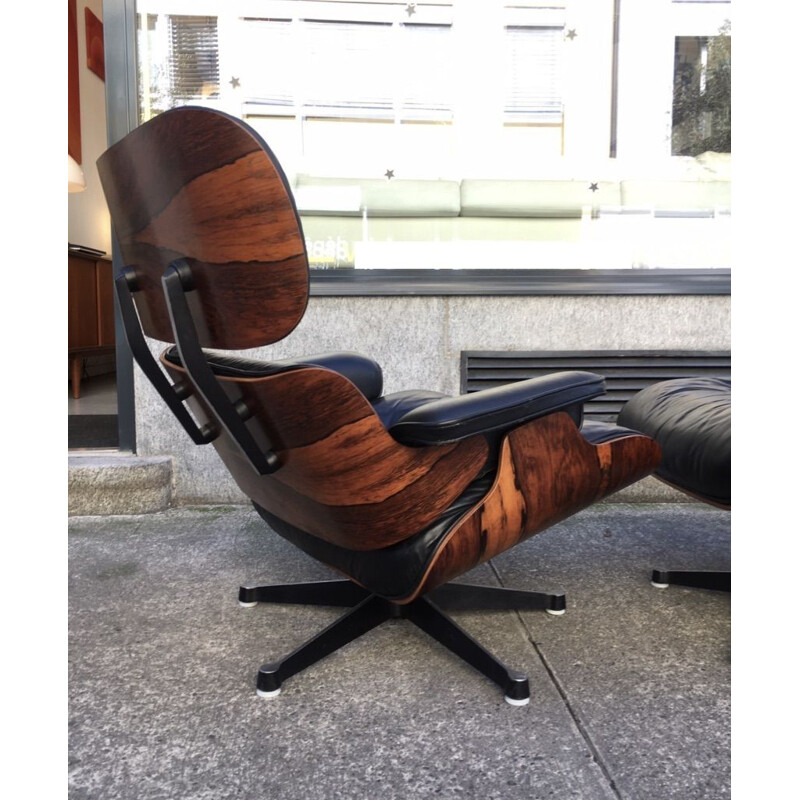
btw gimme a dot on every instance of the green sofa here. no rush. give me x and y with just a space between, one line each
337 213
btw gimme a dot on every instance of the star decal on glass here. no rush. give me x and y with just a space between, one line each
594 187
389 174
571 34
234 82
411 9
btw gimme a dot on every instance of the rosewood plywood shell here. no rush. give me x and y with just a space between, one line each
547 471
198 184
342 478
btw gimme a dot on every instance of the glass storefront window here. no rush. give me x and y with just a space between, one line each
459 135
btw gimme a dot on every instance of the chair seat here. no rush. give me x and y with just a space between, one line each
690 418
394 572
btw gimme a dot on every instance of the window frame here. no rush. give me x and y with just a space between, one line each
518 282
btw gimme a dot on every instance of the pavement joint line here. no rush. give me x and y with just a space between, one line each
581 728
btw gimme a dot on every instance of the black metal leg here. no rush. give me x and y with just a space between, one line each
318 593
699 579
366 615
462 596
430 619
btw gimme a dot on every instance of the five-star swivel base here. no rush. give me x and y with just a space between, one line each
369 610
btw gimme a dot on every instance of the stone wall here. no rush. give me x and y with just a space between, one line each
418 341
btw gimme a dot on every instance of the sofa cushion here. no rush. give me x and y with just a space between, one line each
391 198
672 195
524 198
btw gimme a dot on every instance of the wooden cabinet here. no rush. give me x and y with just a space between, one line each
90 327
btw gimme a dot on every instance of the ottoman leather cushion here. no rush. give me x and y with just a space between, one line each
691 419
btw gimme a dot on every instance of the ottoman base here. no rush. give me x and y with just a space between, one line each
699 579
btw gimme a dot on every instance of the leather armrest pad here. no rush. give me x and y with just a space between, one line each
363 371
454 418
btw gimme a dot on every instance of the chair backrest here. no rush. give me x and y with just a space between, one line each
197 191
198 184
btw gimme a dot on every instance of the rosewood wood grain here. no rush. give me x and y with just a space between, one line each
82 303
343 477
90 318
106 333
197 184
547 471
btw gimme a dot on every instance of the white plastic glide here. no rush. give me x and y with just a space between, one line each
512 702
273 693
248 605
556 613
659 585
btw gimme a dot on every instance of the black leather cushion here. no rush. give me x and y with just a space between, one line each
691 419
391 407
495 410
599 432
364 372
420 417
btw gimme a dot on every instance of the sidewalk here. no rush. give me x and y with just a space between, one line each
630 689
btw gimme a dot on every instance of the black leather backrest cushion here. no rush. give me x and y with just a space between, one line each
363 371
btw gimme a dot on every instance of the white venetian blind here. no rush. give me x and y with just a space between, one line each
347 69
194 57
425 75
533 72
269 62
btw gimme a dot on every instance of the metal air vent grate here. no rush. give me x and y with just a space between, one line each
626 372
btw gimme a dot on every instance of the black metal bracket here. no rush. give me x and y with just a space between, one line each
172 394
177 282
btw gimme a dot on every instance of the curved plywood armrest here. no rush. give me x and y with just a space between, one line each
547 472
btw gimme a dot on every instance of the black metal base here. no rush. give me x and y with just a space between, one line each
369 610
699 579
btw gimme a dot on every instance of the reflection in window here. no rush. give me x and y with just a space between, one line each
349 70
472 135
178 59
701 105
193 58
534 73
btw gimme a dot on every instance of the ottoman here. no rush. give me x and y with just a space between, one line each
691 419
